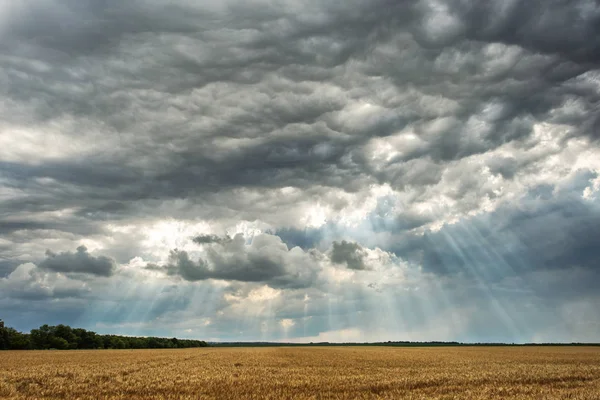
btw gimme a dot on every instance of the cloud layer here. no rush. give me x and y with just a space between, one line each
307 168
79 262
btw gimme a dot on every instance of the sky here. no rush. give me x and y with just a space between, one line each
302 170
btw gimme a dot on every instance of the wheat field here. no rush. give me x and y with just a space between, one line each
304 373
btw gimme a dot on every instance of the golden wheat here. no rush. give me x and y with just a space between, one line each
305 373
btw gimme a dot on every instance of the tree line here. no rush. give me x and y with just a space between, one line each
63 337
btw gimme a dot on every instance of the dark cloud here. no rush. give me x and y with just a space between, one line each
567 28
445 131
79 262
209 239
351 254
505 166
266 73
82 27
266 259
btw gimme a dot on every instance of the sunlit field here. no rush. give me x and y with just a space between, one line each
305 373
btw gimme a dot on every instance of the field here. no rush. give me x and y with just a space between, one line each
305 373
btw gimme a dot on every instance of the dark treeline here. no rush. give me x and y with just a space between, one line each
63 337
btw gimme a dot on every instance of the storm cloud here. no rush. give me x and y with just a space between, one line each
79 262
348 253
275 159
266 259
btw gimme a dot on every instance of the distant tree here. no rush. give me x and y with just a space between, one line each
116 342
40 338
58 343
18 340
65 332
153 343
4 337
64 337
98 341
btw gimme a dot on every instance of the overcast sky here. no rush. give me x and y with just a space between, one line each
303 170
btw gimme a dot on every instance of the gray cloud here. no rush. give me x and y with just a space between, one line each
30 283
351 254
460 136
297 160
79 262
266 259
565 28
209 239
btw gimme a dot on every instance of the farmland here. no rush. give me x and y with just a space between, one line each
304 373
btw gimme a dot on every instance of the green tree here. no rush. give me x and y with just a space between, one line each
64 337
4 337
117 343
65 332
18 340
40 338
58 343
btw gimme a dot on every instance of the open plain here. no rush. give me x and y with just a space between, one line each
304 373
